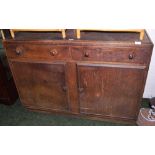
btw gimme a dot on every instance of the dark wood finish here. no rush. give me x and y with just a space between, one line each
102 93
72 87
40 52
8 91
41 85
101 76
108 54
3 91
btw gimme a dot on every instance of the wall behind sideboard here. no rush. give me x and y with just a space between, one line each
150 83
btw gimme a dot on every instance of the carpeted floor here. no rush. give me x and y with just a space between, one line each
17 115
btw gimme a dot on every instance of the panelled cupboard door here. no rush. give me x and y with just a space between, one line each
41 85
110 90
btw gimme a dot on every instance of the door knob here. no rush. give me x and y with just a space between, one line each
64 88
81 90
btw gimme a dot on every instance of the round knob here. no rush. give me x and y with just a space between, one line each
19 50
53 52
86 54
81 90
64 88
131 56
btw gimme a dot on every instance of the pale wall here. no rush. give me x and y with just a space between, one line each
150 83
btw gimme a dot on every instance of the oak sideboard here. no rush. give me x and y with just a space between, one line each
99 75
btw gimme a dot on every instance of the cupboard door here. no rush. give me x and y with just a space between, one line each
41 85
110 90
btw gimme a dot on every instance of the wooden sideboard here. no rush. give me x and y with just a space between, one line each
100 76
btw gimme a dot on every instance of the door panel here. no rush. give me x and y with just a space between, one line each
41 85
110 90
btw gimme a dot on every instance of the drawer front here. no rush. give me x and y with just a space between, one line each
125 55
38 51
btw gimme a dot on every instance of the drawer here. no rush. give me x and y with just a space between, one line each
112 54
47 52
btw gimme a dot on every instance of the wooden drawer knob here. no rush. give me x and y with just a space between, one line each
86 54
19 50
131 56
53 52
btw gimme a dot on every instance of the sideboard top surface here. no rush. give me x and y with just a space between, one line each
95 37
